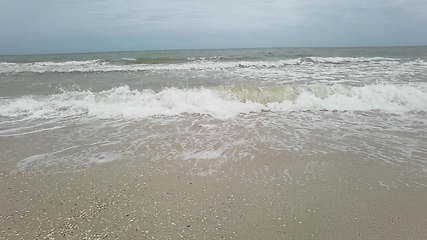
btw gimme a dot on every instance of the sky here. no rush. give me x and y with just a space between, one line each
67 26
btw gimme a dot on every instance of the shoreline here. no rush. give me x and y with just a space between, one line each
155 200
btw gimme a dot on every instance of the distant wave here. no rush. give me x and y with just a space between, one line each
42 67
341 60
221 102
211 63
169 60
155 60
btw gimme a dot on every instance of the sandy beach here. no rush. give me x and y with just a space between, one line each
241 200
247 120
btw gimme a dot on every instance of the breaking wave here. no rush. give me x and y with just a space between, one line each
219 102
209 63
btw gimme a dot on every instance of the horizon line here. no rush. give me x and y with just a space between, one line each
207 49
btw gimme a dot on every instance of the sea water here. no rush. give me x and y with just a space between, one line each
313 106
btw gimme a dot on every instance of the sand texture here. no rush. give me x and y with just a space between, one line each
238 201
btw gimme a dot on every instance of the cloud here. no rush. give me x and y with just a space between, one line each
181 15
158 15
254 22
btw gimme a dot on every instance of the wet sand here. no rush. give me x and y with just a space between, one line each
239 200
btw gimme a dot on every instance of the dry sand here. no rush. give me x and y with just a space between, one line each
245 200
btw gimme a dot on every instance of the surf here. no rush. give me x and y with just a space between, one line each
128 64
218 102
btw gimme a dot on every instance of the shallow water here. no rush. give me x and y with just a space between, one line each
310 107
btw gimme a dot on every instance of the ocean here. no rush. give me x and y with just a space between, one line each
315 108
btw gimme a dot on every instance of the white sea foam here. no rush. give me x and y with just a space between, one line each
125 103
204 154
223 103
42 67
388 98
350 59
99 65
61 158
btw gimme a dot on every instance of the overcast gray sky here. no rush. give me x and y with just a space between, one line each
56 26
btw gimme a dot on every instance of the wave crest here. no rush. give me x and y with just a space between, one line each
211 63
220 102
